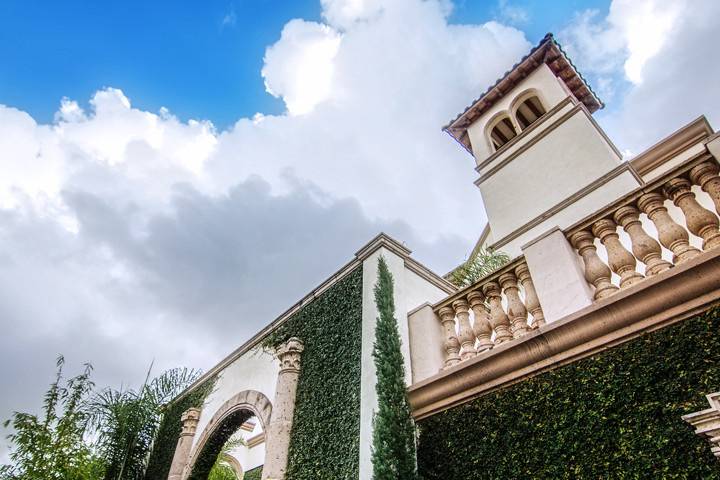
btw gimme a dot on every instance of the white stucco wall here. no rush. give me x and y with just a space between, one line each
410 291
250 458
567 159
254 370
550 89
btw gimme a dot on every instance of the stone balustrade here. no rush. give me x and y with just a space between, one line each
498 308
602 229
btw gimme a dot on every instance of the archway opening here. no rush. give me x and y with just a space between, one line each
226 454
502 132
529 111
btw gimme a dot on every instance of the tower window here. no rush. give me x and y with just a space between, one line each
529 111
502 132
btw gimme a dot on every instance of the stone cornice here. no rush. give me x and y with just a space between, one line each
667 297
670 146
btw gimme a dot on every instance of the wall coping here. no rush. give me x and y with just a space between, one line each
658 301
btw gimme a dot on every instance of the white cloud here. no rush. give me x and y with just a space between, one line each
135 228
299 67
633 32
661 48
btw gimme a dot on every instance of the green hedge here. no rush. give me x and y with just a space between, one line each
169 431
613 415
254 474
324 442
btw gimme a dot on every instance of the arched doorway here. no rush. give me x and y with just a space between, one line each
228 419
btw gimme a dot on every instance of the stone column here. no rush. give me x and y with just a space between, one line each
189 421
596 272
451 345
466 336
621 261
644 247
699 220
278 432
671 235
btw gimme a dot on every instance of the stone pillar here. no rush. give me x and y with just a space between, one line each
557 274
466 336
278 432
189 421
596 272
621 261
451 345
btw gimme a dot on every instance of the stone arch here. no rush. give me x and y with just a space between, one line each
226 421
522 99
500 129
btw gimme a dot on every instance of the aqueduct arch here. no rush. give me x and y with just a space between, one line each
226 421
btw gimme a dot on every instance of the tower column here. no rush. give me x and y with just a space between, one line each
189 421
278 431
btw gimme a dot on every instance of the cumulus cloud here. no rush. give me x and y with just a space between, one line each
632 33
661 50
299 68
128 236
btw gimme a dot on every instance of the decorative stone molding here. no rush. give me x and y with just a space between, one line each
189 419
707 423
278 431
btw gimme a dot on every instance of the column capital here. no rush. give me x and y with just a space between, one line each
190 419
289 354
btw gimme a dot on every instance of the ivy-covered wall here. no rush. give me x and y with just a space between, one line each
169 431
613 415
324 442
254 474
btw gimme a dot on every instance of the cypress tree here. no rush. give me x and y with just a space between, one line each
393 454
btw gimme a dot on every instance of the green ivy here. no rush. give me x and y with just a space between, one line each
169 431
613 415
324 442
254 474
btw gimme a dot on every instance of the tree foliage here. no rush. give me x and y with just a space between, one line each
478 266
393 453
52 447
127 421
223 470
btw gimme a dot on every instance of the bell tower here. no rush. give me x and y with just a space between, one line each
541 158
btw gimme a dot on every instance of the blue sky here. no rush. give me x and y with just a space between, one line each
135 227
201 60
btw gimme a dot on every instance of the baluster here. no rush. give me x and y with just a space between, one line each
452 346
699 220
516 309
621 261
671 235
482 328
465 332
498 319
706 175
531 299
645 248
596 272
